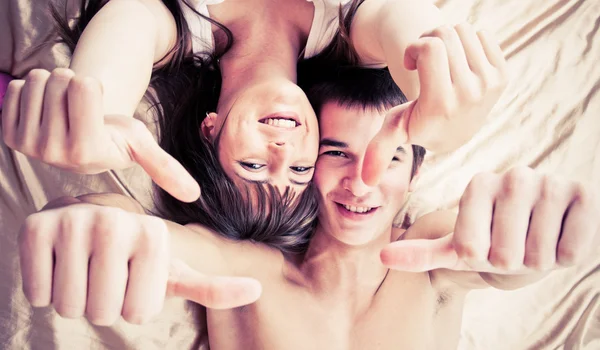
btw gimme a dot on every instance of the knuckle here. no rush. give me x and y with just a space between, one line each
111 230
467 251
470 94
494 80
515 180
135 316
8 137
37 75
481 183
70 228
15 85
101 317
472 250
69 309
582 194
82 84
432 46
30 231
26 144
37 295
49 154
106 222
62 74
567 256
552 190
539 262
446 107
154 238
504 259
445 32
79 155
463 26
487 84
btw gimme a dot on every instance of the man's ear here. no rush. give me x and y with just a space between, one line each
208 125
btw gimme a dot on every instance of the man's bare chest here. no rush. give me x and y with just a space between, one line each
402 315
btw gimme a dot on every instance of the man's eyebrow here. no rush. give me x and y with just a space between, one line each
333 143
401 150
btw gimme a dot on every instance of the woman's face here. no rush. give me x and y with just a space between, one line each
268 133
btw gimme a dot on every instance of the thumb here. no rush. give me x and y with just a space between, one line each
211 291
381 149
420 255
164 170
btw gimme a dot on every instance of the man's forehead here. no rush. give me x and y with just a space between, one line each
335 119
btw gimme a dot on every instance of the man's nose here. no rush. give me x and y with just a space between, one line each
354 183
356 186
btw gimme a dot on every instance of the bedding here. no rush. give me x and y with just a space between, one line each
548 118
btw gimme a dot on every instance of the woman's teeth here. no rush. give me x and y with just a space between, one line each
357 209
281 123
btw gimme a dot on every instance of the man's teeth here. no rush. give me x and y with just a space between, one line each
282 123
357 209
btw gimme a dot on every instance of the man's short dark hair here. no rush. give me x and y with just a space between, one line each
352 86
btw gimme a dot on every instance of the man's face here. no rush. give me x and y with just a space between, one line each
351 211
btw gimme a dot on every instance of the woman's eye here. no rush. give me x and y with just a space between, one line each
301 169
335 154
252 166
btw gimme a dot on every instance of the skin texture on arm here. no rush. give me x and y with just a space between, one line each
120 46
383 29
193 244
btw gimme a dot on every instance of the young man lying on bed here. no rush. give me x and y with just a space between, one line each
360 281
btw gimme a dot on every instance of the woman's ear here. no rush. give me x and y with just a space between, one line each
208 125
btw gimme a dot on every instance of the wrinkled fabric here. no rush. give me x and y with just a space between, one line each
549 118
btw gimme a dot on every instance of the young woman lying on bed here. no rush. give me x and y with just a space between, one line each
230 115
111 259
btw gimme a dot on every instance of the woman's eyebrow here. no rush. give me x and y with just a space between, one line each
299 183
266 181
262 182
333 143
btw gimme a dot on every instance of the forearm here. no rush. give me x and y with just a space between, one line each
383 29
120 46
194 245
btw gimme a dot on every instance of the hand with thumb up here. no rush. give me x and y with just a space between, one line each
103 262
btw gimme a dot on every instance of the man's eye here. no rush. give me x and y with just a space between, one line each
335 154
252 166
301 169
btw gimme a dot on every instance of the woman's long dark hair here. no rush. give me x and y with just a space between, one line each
183 90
